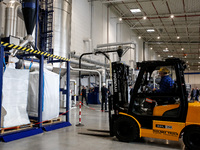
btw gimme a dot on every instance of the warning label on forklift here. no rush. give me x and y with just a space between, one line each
168 133
163 126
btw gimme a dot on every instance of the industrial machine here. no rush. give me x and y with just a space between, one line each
153 114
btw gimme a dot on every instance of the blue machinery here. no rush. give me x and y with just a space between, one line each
39 128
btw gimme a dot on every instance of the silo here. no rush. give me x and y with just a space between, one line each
11 18
2 18
29 12
62 27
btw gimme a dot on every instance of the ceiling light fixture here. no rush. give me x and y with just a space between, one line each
165 50
172 16
135 10
139 37
151 48
158 37
120 19
170 56
150 30
144 17
158 55
178 37
182 49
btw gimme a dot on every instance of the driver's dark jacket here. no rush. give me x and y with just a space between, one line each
166 85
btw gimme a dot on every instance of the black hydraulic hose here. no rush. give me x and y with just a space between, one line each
80 71
98 52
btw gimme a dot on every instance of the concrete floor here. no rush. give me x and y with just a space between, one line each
86 138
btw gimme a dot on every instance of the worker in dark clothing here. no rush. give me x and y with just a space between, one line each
166 82
195 94
166 86
104 94
84 95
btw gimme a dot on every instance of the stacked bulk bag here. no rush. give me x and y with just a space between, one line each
14 102
50 104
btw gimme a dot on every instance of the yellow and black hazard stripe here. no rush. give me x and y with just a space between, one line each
33 51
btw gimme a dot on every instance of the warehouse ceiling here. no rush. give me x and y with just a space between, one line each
171 27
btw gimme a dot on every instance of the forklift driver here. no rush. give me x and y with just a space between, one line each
166 83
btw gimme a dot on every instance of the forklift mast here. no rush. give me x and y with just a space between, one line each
120 73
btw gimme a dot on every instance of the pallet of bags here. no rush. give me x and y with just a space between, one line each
14 98
50 101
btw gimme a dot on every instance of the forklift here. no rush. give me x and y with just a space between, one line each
152 114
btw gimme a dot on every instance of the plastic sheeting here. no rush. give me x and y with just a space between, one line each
15 93
51 95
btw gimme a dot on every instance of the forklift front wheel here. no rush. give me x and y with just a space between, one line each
191 138
126 129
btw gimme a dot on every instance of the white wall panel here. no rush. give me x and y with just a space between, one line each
80 25
89 20
193 79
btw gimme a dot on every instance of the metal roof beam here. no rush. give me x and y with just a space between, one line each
175 36
169 27
129 1
173 42
178 15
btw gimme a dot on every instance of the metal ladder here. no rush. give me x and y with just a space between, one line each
46 23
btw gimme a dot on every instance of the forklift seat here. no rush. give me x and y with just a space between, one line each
166 110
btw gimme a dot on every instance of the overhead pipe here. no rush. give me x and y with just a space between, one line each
84 64
114 44
22 44
90 61
119 44
88 70
36 65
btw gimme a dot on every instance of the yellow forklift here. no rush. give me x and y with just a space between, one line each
167 115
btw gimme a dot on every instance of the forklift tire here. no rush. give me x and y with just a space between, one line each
126 129
191 138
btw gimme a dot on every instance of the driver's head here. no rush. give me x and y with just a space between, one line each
163 71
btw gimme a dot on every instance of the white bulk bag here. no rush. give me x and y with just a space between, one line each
51 95
15 93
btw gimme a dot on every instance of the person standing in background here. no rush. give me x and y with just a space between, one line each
84 95
193 94
197 94
104 95
130 92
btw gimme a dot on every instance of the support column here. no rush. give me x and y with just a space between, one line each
1 77
41 90
68 90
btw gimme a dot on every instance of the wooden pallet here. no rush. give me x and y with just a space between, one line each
16 128
47 122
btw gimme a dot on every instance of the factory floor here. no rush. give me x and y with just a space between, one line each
87 137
